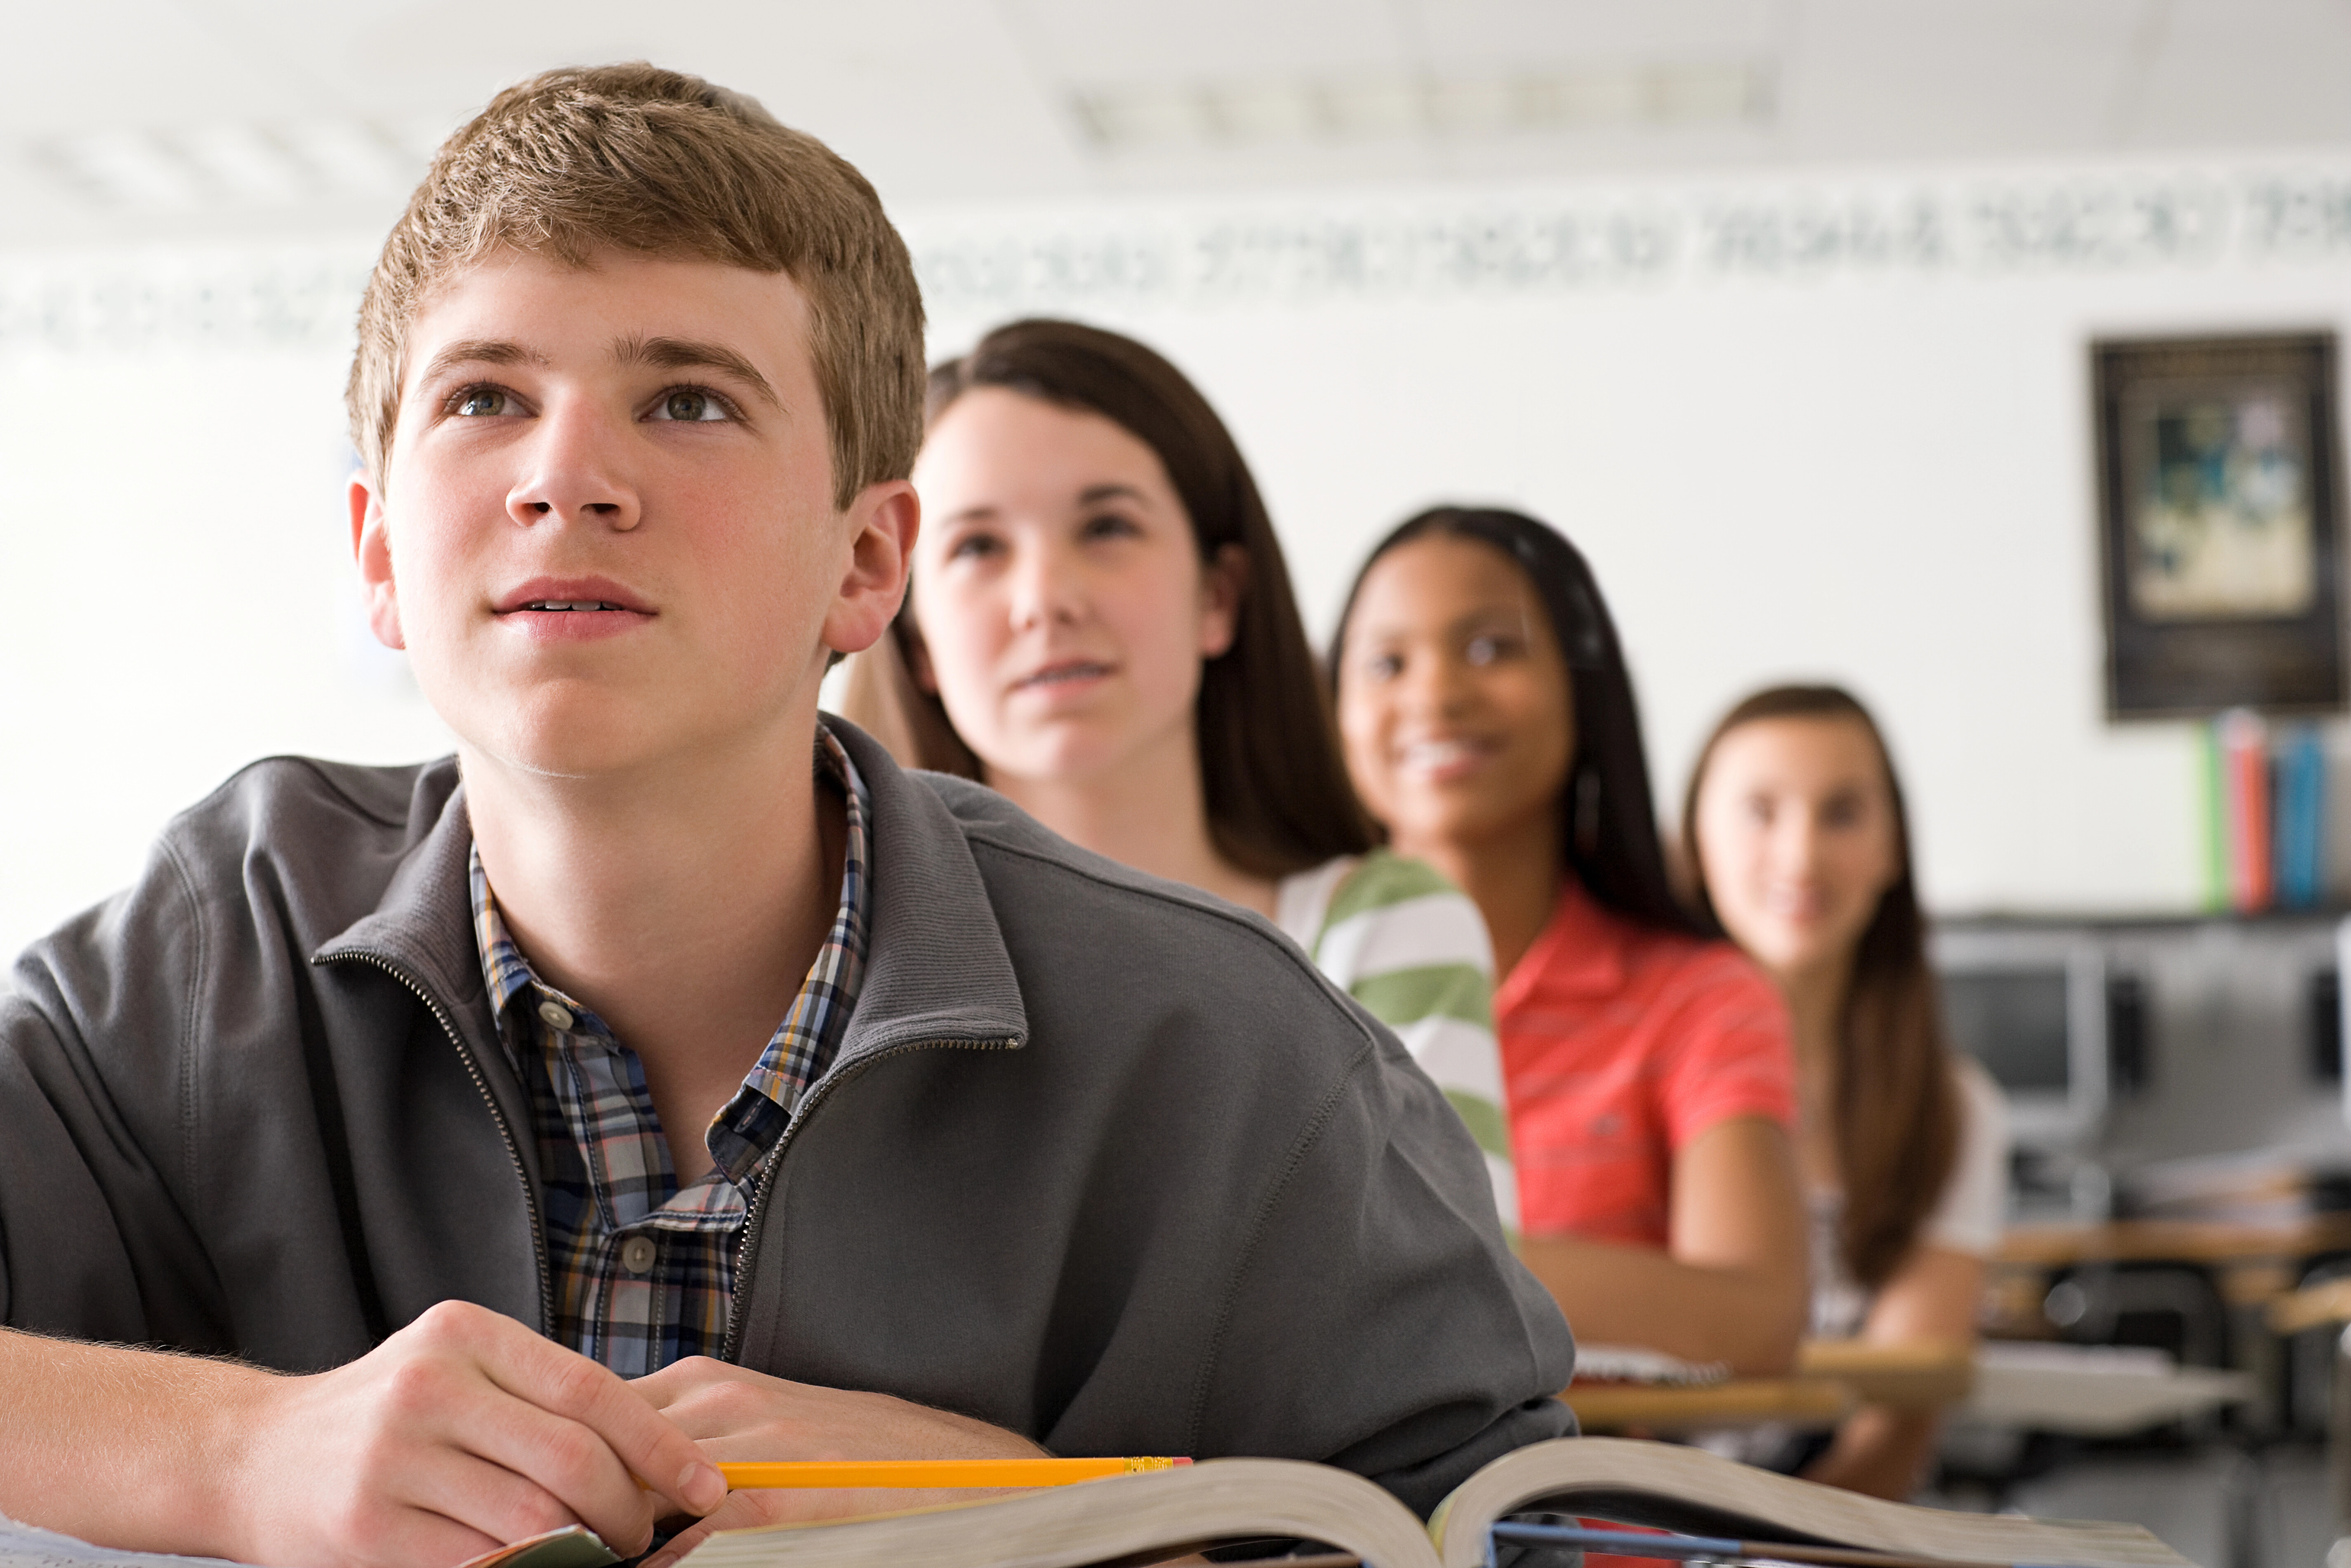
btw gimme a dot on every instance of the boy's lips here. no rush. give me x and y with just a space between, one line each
572 608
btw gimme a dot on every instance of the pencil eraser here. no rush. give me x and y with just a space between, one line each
1183 1461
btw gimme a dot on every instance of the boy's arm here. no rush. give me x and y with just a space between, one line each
464 1431
1379 1248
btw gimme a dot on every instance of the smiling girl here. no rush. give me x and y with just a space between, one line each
1101 628
1490 726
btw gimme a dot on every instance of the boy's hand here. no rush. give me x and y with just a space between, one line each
738 1414
463 1432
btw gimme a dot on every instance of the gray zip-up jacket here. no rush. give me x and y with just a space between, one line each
1101 1160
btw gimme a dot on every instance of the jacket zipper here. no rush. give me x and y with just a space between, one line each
505 1133
753 1222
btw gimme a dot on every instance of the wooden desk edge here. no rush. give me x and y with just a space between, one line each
2182 1241
1747 1401
2312 1307
1920 1375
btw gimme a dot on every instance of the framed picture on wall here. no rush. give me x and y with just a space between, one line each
2219 476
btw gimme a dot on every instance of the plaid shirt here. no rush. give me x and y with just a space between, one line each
644 1272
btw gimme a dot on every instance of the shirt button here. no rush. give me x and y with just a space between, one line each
558 1016
637 1254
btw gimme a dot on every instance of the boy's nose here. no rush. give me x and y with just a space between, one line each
569 476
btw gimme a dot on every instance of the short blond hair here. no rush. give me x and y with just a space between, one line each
588 158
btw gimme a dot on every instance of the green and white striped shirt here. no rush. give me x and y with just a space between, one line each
1412 948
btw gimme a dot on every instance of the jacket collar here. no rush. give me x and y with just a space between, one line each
937 967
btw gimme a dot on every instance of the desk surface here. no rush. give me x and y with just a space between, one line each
1741 1402
2053 1388
2180 1240
1924 1374
1832 1376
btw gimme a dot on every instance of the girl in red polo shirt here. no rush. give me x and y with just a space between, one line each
1490 729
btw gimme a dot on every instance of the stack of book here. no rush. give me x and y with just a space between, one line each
2265 815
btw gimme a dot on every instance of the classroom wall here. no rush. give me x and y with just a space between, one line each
1830 428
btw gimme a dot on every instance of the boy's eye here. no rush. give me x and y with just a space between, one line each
483 402
690 405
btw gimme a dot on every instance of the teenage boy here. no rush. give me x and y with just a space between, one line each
441 1116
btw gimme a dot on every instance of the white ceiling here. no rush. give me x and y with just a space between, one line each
163 119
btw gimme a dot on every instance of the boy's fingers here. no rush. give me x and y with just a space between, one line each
757 1506
464 1506
563 1469
427 1538
741 1510
648 1445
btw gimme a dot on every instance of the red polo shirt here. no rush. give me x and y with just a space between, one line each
1620 1044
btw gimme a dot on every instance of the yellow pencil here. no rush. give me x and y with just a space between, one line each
934 1472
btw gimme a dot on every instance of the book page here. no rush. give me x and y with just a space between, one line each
1118 1517
1636 1482
26 1546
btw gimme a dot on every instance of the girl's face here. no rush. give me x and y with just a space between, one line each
1454 701
1797 838
1063 607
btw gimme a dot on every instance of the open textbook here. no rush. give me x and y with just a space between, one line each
1629 1482
1137 1516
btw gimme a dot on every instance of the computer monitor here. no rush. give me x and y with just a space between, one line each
2031 1006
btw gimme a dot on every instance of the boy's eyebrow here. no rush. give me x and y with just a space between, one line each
479 351
685 353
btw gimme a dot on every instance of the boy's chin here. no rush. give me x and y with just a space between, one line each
614 747
616 729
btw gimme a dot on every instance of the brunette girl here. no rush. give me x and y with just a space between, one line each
1490 726
1795 822
1101 628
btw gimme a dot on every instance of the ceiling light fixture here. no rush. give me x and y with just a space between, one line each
240 165
1374 107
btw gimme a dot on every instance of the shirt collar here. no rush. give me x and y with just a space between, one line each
1579 952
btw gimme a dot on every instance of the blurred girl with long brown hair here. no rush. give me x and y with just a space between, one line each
1795 826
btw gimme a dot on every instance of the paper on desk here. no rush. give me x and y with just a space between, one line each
23 1546
1636 1363
28 1546
2093 1390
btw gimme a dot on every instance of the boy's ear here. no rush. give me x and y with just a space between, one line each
885 518
371 548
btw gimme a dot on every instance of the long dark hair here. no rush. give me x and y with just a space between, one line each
1274 780
1896 1103
1608 822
